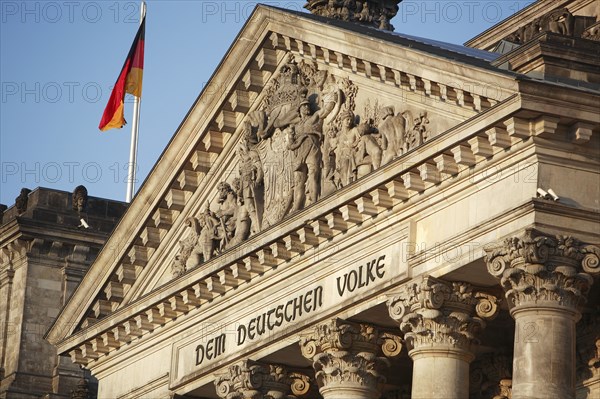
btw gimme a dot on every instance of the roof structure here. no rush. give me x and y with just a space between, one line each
317 144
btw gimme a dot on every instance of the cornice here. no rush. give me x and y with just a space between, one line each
493 35
263 243
211 137
208 129
347 194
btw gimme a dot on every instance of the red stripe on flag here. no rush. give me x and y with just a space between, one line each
111 118
126 83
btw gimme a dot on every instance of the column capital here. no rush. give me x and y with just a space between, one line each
347 356
433 312
536 268
255 380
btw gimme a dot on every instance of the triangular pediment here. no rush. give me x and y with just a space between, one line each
370 98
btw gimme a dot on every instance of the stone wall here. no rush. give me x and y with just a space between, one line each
45 250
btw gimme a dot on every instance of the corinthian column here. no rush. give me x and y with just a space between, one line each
254 380
546 280
347 358
440 330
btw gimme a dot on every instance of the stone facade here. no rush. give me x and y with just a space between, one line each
346 225
45 252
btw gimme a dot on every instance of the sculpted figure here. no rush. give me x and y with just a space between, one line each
80 197
367 153
251 177
241 216
412 137
560 21
331 98
416 130
392 130
348 10
200 245
421 126
329 161
344 150
530 30
21 200
227 203
384 22
365 14
305 142
228 216
334 8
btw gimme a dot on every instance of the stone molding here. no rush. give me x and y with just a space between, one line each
536 268
434 313
226 272
65 253
391 186
234 111
12 252
348 354
487 40
255 380
560 21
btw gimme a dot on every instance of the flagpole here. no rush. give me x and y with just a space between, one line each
135 124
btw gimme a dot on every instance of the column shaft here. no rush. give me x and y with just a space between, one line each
544 354
546 280
341 392
440 374
440 330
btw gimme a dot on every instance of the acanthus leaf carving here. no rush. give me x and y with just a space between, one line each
345 352
255 380
435 312
536 267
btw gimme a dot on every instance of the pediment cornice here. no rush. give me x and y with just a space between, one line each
488 39
201 153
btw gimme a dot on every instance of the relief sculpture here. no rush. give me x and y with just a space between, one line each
305 141
560 21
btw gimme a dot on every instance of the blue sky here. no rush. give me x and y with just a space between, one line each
59 60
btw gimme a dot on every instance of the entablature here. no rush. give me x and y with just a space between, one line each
394 186
121 310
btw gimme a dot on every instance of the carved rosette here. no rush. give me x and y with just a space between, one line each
348 355
250 379
433 312
541 269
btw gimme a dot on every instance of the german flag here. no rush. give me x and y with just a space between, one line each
129 81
